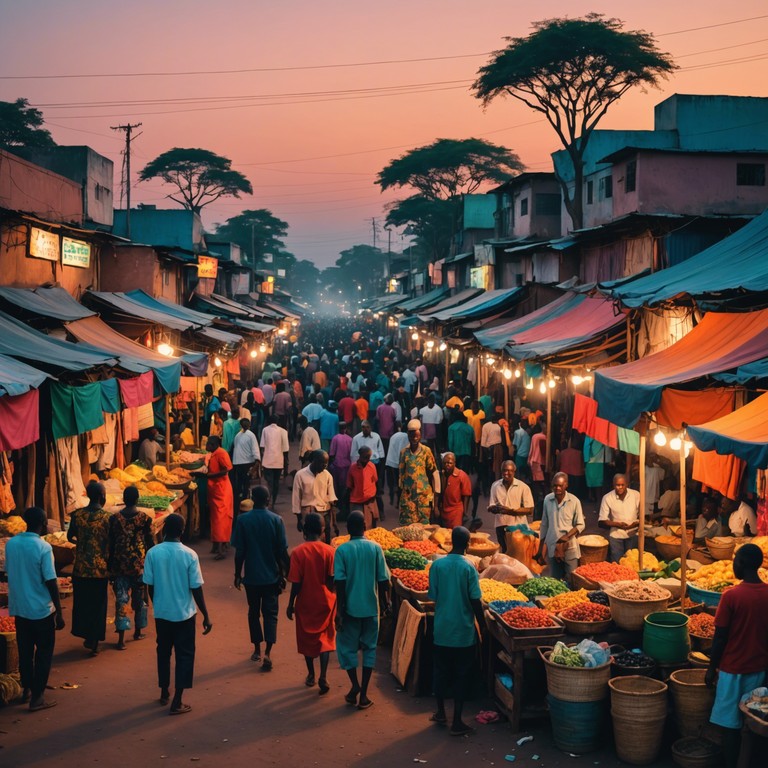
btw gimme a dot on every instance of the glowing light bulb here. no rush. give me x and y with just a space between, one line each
430 344
517 373
543 388
165 349
529 385
660 438
254 353
675 443
414 336
551 383
217 362
507 374
262 348
576 379
443 347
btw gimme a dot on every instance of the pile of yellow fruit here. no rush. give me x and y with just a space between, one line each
566 600
713 576
762 542
386 539
129 476
498 590
631 560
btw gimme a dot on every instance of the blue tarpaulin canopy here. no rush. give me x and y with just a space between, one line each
17 378
429 299
48 302
746 373
488 302
191 316
141 305
739 263
743 433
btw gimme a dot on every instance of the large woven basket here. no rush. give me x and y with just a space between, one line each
668 551
630 614
639 709
575 683
593 554
585 627
693 700
721 548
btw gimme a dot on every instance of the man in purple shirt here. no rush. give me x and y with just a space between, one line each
386 417
339 455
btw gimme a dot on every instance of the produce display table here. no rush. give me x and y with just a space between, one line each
502 648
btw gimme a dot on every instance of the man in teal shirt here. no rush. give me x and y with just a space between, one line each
461 441
362 587
230 429
455 588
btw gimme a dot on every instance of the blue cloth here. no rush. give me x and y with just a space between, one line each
312 412
110 396
229 430
730 689
174 571
360 564
259 537
29 564
357 634
453 584
622 402
375 399
521 441
329 425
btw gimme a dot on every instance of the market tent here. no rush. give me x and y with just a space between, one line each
452 301
720 342
279 309
587 322
17 378
193 317
429 299
746 373
222 305
498 336
738 264
136 357
128 305
22 342
219 336
742 433
486 303
49 302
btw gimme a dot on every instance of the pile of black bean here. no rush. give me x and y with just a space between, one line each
598 596
633 659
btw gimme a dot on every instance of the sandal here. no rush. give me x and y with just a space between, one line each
266 665
255 656
439 719
365 704
182 709
323 686
42 705
351 697
462 731
310 681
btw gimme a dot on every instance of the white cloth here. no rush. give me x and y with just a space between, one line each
274 443
558 519
517 496
310 441
397 442
71 473
740 517
490 435
398 411
174 571
245 449
431 415
310 490
669 503
653 477
626 510
373 441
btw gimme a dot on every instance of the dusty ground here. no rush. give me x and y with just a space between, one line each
244 717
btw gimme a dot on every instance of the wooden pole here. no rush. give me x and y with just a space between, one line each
641 473
447 367
197 411
167 430
548 457
683 532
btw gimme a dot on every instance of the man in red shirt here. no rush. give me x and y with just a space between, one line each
347 409
362 483
456 494
739 656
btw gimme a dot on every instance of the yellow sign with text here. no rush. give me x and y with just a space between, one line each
43 244
75 253
207 266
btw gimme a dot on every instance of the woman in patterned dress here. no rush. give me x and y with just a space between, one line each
89 530
417 470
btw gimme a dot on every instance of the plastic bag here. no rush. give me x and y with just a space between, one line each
594 654
511 574
523 544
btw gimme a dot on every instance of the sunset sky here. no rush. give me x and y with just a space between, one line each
310 134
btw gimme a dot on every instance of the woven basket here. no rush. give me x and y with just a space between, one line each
701 556
694 752
753 722
575 683
630 614
693 700
593 554
721 548
668 551
585 627
639 709
9 653
697 663
488 550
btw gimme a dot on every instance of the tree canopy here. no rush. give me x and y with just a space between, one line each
200 176
432 221
571 71
257 232
450 167
21 126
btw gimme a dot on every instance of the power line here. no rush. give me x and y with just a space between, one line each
712 26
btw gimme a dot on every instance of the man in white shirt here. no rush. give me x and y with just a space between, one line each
620 513
739 518
410 379
431 416
310 441
511 502
313 492
245 456
491 452
33 599
562 520
397 442
371 440
172 573
274 455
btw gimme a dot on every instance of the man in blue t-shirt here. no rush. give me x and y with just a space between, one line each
455 588
33 598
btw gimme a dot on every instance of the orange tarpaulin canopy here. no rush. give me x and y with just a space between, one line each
678 406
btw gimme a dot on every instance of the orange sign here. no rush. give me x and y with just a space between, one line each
207 266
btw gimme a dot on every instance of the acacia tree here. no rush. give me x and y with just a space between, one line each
440 173
571 71
200 176
257 232
21 126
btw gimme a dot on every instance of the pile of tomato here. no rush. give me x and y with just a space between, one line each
7 624
422 547
587 612
606 572
528 618
702 625
415 580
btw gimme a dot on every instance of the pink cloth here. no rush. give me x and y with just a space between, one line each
19 420
138 391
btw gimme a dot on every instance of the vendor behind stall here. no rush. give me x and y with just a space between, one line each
707 523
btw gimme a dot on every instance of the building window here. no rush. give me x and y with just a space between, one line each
524 207
630 176
750 174
590 192
605 187
547 204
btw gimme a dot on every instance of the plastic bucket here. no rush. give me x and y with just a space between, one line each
576 725
665 637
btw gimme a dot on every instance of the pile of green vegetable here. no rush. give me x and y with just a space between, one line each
545 586
406 559
156 501
568 657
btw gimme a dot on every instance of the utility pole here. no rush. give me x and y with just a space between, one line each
128 128
374 229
